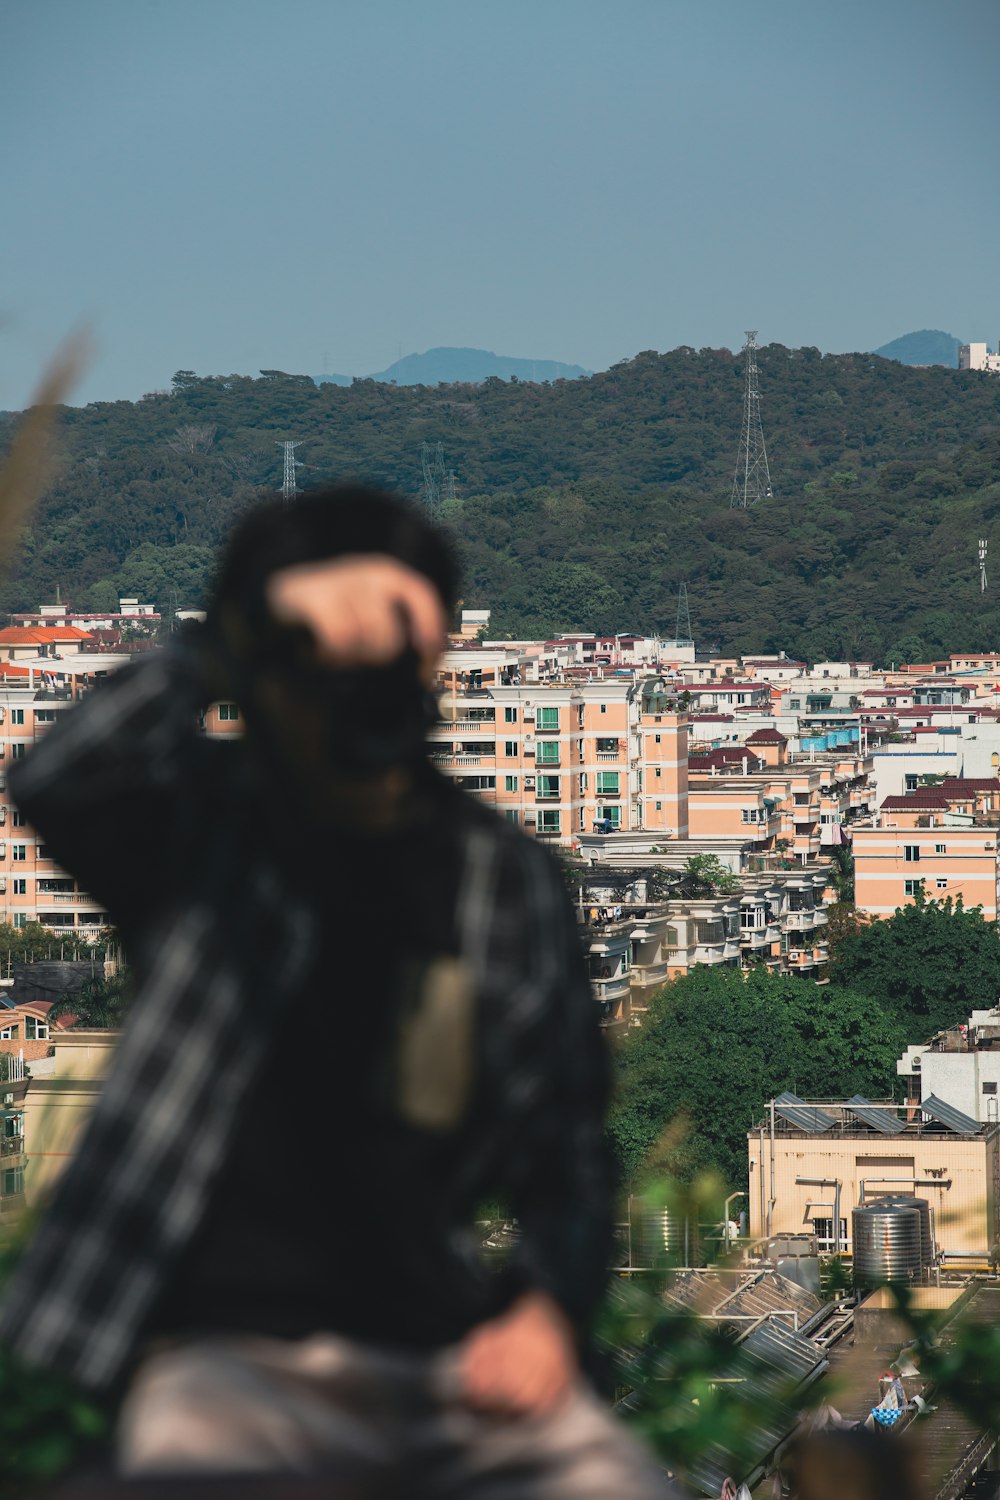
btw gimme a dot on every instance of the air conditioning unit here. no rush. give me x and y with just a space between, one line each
3 850
529 783
3 884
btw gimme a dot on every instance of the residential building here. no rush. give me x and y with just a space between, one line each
811 1164
920 845
960 1066
978 357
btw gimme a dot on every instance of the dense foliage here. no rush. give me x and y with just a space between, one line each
583 503
717 1044
930 964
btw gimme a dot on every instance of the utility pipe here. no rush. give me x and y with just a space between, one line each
771 1200
725 1215
833 1182
926 1182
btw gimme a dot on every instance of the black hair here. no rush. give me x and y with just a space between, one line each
326 524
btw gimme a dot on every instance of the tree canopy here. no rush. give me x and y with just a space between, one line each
582 503
718 1043
930 964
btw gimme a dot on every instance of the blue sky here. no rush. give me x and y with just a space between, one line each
226 185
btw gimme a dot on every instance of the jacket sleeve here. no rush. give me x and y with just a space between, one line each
105 787
561 1180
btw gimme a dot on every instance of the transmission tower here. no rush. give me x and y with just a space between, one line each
982 565
289 489
682 633
439 482
752 480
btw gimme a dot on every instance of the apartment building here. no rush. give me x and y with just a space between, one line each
960 1066
978 357
562 759
903 854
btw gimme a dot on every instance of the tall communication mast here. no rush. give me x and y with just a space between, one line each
289 489
682 633
752 480
982 565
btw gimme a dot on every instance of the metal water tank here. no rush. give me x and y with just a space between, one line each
659 1237
886 1242
923 1208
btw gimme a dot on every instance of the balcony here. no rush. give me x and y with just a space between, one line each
12 1145
611 989
608 755
645 976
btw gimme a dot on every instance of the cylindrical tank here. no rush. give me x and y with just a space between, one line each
923 1208
660 1237
886 1243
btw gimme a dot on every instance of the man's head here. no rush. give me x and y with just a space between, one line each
331 612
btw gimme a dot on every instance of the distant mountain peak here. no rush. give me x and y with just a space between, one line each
448 366
928 347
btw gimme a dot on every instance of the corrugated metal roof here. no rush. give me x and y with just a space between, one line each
882 1120
949 1116
803 1116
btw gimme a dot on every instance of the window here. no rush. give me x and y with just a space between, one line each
228 711
548 820
911 853
548 786
10 1033
547 752
942 885
45 716
659 807
912 887
583 782
479 783
18 819
940 849
13 1181
512 815
656 739
510 715
20 919
20 887
510 783
16 752
795 703
607 747
823 1230
989 1088
604 708
607 783
35 1030
658 771
510 749
911 783
19 851
43 851
547 718
750 814
17 716
612 814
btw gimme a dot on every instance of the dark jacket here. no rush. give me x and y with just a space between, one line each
154 820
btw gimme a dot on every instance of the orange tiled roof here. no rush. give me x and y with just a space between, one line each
41 635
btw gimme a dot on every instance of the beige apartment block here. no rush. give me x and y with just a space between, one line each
892 864
60 1098
801 1177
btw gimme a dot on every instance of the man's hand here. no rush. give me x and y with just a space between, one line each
522 1363
363 610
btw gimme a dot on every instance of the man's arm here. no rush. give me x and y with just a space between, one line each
104 787
559 1184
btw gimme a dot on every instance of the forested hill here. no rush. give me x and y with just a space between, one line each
583 503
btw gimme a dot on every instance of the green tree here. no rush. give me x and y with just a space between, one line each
718 1043
101 1003
706 875
931 963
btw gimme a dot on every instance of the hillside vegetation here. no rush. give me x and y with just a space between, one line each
582 503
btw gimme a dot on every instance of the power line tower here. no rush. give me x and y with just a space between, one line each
982 564
752 480
289 489
682 632
439 482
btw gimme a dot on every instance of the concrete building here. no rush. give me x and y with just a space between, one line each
978 357
812 1163
929 843
960 1066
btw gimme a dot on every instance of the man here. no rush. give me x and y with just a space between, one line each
362 1013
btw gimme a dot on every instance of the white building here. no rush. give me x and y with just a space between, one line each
978 357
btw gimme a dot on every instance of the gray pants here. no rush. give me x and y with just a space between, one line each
380 1419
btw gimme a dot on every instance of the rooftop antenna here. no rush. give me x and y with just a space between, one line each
982 565
289 489
752 480
682 634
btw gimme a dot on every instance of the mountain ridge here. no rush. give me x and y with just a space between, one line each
454 365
